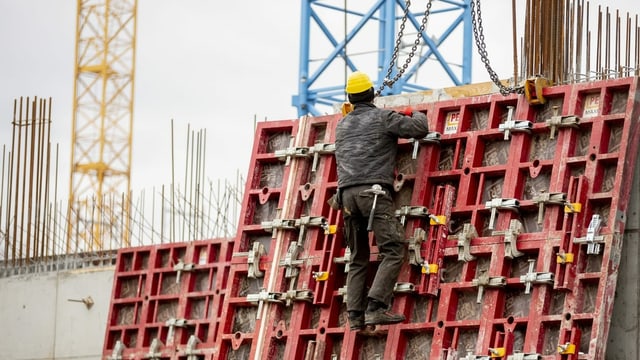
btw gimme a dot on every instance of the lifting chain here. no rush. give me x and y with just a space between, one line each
478 34
387 80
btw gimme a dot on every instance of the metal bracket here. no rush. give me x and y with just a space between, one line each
154 350
191 349
510 125
292 224
279 298
567 349
500 204
532 277
464 237
415 242
431 138
557 121
291 260
533 90
180 267
545 198
292 152
118 349
343 292
411 211
253 259
485 281
311 221
346 259
471 356
593 239
404 288
172 324
523 356
176 322
320 149
510 238
278 224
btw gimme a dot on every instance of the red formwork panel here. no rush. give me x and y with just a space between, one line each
166 300
518 260
519 270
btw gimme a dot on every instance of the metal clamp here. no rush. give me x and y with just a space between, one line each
291 260
431 138
311 221
411 211
510 125
346 259
297 295
320 149
510 239
278 224
176 322
343 292
471 356
191 349
180 267
497 352
292 224
500 204
172 324
415 242
464 237
118 349
545 198
154 350
523 356
404 288
532 277
556 121
280 298
253 259
567 349
292 152
485 281
593 239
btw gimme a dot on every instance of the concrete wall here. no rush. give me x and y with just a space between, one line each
39 322
624 333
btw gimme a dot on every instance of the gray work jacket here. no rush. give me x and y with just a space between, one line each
366 143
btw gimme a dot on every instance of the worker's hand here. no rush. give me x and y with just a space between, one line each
408 111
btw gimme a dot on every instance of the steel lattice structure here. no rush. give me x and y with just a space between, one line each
102 123
347 30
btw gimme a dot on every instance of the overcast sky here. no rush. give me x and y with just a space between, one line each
215 65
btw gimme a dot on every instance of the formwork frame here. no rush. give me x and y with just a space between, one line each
517 269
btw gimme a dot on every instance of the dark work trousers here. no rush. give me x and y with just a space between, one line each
389 237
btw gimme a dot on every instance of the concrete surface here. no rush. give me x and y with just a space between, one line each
40 321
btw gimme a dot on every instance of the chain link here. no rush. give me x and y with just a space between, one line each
478 34
394 57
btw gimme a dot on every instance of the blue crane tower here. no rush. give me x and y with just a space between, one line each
342 35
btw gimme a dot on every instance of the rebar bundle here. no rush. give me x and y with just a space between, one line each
560 45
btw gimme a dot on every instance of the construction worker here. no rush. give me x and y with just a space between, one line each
366 146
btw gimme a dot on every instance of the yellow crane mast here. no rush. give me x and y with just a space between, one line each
98 213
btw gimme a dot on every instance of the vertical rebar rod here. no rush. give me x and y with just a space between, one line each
599 45
6 234
515 42
579 30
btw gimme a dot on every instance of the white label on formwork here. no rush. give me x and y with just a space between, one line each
591 105
452 122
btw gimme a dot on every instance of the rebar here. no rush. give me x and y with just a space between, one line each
558 42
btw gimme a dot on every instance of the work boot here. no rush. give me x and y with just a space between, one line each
356 320
382 316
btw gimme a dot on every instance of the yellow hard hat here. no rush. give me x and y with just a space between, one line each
358 82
